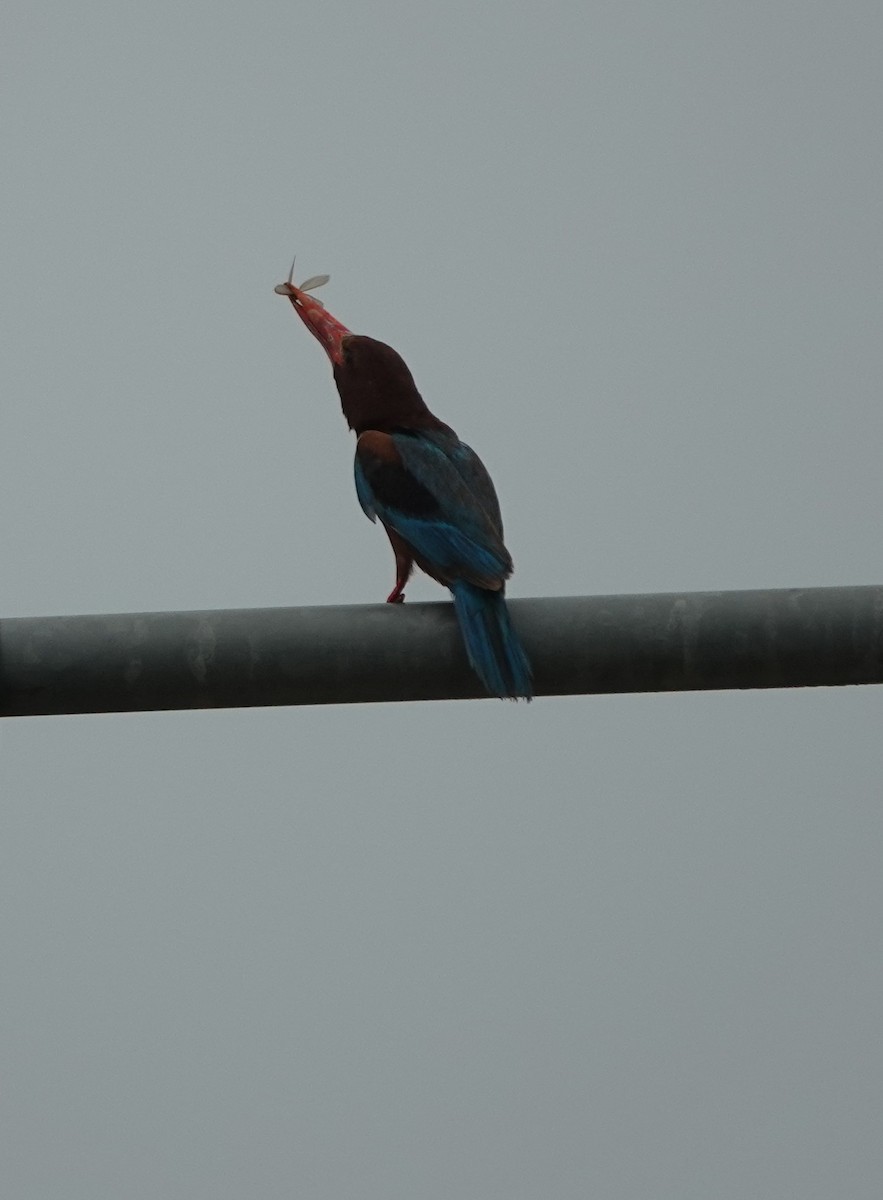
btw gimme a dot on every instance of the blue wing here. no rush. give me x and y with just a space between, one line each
435 492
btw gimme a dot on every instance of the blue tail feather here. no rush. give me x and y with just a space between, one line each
495 652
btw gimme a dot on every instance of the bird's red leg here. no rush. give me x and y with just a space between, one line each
397 595
404 567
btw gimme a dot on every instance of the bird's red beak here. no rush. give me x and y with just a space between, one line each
325 328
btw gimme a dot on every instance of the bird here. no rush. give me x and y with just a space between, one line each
430 491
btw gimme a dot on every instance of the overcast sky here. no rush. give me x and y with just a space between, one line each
621 947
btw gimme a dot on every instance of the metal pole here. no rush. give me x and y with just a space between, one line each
368 653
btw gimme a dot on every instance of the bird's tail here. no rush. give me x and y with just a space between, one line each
495 652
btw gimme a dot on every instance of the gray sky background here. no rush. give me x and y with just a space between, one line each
621 947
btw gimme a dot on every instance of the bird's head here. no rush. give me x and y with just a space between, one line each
326 329
376 389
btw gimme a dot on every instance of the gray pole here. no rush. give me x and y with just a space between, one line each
358 654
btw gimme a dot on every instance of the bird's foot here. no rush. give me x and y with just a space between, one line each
396 596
